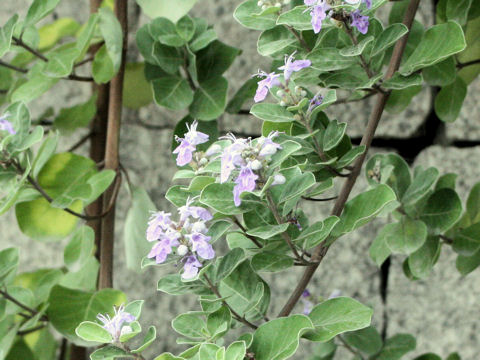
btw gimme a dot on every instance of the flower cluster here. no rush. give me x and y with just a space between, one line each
272 79
321 9
6 125
116 325
188 144
187 237
250 158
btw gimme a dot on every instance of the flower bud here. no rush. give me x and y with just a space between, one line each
199 227
303 93
182 250
264 7
280 93
260 3
283 103
256 165
278 4
298 89
278 179
286 2
126 330
268 150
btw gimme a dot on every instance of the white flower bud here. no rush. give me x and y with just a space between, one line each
278 179
260 3
199 227
212 150
264 7
298 89
283 103
256 165
286 2
278 4
268 150
280 93
261 140
303 93
182 250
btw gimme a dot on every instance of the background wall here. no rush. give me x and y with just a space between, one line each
442 312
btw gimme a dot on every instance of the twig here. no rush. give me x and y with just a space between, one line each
83 62
63 350
299 38
80 142
468 63
352 37
446 239
29 331
13 67
319 200
19 42
252 238
234 313
33 312
105 279
321 250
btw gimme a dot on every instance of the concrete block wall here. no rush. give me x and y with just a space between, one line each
442 312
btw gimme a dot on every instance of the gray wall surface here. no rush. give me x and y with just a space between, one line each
443 312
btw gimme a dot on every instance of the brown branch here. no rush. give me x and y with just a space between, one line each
10 298
79 78
321 250
446 239
29 331
19 42
234 313
105 279
252 238
299 38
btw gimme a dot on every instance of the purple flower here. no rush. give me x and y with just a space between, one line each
190 269
193 136
232 157
197 212
306 293
359 21
201 245
310 2
6 125
158 222
335 294
316 101
115 325
185 152
162 248
292 65
245 182
318 14
265 85
368 3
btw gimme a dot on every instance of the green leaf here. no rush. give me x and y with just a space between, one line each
318 232
173 285
406 236
400 99
157 8
296 186
246 92
33 88
282 336
421 184
336 316
271 262
210 99
109 352
149 338
329 59
397 346
297 18
472 52
203 40
226 264
421 262
275 40
442 210
467 241
136 89
6 33
38 10
289 147
241 287
172 92
272 112
399 82
190 325
90 331
60 61
244 15
72 118
449 100
473 203
220 198
466 264
185 28
52 33
457 10
214 60
363 208
8 264
86 34
99 183
429 356
111 31
358 49
388 38
168 356
438 43
367 340
268 231
333 134
442 73
69 307
218 322
399 179
79 249
165 31
236 351
103 69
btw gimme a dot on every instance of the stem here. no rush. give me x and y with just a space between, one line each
12 67
80 142
321 250
29 331
10 298
234 313
19 42
320 200
299 38
363 62
468 63
252 238
105 279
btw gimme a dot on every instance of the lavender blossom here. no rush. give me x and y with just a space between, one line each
188 144
265 85
163 248
307 303
158 222
115 325
197 212
368 3
246 181
6 125
201 245
190 269
359 21
292 65
319 12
